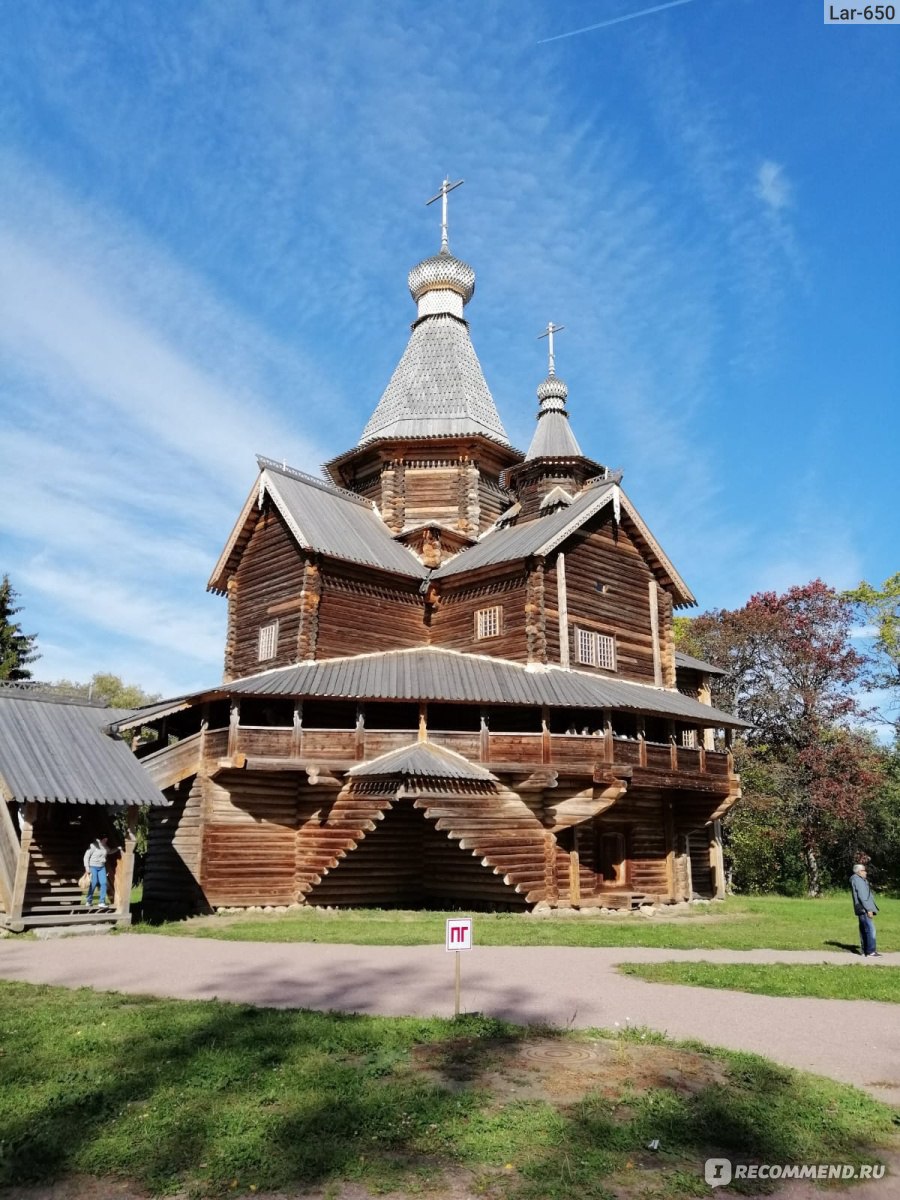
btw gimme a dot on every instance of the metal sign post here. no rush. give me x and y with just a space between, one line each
459 937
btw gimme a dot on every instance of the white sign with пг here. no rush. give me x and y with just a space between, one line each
459 933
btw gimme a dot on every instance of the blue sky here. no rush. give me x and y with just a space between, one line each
208 212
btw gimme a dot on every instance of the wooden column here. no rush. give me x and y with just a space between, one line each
234 718
609 748
654 633
669 829
574 871
124 873
546 750
673 746
562 604
297 730
717 859
423 722
18 895
9 848
642 741
729 752
485 740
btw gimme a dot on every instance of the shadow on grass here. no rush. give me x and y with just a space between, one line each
199 1094
852 947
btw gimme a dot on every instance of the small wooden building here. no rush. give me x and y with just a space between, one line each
450 675
64 778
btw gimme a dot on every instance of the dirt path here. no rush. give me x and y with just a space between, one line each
856 1041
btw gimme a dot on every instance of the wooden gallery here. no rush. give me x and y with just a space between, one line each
450 676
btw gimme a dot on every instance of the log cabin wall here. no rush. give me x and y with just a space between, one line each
357 615
267 586
453 621
172 868
606 558
249 837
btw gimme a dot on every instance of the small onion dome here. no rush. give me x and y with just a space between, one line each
442 271
552 389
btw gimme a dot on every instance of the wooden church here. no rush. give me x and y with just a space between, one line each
450 676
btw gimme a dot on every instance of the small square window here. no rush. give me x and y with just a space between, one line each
596 649
488 622
268 641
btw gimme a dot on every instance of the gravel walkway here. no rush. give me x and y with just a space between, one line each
856 1041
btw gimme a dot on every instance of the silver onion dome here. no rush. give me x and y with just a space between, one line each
552 388
442 271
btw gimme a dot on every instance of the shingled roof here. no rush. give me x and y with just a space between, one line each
440 675
437 389
322 518
56 751
424 760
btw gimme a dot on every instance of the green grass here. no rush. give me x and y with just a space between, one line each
209 1098
739 923
856 982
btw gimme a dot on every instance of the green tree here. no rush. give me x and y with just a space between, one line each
880 607
17 649
107 689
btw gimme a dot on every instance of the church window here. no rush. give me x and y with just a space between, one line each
488 622
596 649
268 641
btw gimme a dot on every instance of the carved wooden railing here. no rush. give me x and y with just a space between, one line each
558 750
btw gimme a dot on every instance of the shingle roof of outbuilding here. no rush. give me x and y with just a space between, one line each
696 664
55 751
430 673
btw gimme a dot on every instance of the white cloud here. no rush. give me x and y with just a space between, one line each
772 186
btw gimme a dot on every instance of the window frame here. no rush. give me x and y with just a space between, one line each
483 616
600 646
267 635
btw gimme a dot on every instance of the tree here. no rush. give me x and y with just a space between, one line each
790 670
17 649
881 609
108 689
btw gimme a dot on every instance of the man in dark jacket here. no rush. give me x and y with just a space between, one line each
865 908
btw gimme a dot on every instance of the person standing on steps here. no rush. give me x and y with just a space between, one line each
865 908
95 864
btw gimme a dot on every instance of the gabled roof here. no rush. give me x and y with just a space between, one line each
430 673
322 518
426 760
52 751
542 536
437 389
696 664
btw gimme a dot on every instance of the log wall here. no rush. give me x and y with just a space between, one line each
172 868
453 621
357 616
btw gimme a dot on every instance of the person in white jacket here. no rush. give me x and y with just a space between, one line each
95 864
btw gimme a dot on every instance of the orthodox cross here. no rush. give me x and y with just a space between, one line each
446 187
548 333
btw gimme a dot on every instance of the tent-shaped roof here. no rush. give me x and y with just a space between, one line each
437 389
52 750
426 760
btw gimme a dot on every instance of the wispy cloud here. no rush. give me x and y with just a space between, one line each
772 185
644 12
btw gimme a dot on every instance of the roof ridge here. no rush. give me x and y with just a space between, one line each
281 468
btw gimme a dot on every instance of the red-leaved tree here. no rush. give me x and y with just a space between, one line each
791 670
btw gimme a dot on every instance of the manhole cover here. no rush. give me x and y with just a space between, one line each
559 1053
